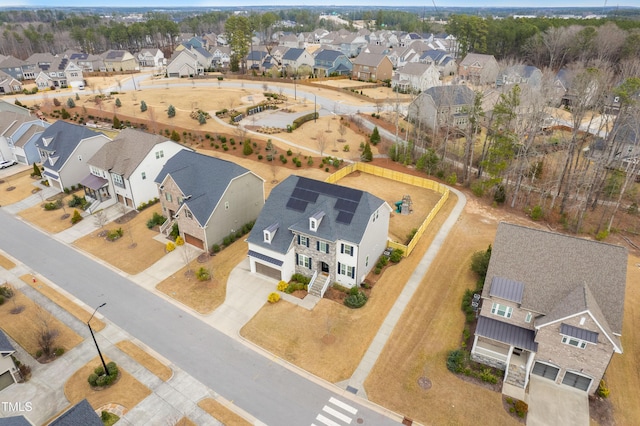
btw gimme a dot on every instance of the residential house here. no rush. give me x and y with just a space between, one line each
443 61
119 60
9 374
254 60
207 197
9 84
151 58
297 61
11 107
371 67
221 56
520 74
13 66
552 306
351 44
442 106
478 69
64 150
124 170
184 63
328 232
291 41
415 77
205 58
18 136
88 62
331 62
80 414
277 52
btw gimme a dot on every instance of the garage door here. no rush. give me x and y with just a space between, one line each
5 380
545 370
190 239
268 271
576 381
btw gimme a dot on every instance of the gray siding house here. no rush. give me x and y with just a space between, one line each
552 306
441 106
328 232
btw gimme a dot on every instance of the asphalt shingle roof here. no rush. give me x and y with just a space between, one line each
65 137
81 414
295 216
328 55
450 95
5 344
368 59
203 178
292 54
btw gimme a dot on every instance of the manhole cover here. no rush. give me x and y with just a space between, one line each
424 383
360 420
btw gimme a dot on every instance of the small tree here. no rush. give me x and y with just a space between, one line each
36 170
480 263
175 136
116 122
143 106
375 136
246 147
77 97
77 217
171 111
45 333
118 103
367 155
100 218
202 119
71 103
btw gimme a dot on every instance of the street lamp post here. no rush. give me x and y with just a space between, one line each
104 364
315 116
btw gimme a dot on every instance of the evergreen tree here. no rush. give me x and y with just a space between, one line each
77 97
119 104
202 119
143 106
175 136
246 147
367 155
116 122
71 103
375 136
171 111
36 170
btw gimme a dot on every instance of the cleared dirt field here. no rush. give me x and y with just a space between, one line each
134 252
400 226
22 185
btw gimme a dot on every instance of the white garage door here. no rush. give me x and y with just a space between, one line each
576 381
545 370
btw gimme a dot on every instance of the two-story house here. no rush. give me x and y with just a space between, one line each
442 106
369 66
552 306
124 170
9 84
64 150
478 69
443 61
328 232
524 75
119 60
207 197
151 58
184 63
297 61
19 133
331 62
415 77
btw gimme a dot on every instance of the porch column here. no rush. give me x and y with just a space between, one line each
528 368
506 371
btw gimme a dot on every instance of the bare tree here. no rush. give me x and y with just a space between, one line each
321 143
100 218
45 333
342 129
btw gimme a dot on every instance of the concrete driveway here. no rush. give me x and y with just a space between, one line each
552 404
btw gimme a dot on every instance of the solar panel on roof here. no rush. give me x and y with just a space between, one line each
346 205
295 204
305 195
344 217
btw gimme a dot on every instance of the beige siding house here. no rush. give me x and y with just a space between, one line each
369 66
479 69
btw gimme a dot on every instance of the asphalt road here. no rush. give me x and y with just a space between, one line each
273 394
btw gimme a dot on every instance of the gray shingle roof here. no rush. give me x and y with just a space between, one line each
81 414
480 58
579 333
65 137
506 289
506 333
15 421
328 55
292 54
368 59
450 95
5 344
203 178
323 197
552 266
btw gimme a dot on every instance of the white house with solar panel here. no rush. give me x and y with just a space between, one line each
551 307
324 231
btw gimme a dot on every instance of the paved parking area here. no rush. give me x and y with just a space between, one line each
552 404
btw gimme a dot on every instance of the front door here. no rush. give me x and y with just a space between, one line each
324 267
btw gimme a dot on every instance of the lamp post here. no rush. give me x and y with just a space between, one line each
315 116
295 89
104 364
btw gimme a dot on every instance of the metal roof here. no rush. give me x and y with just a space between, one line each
265 258
94 182
579 333
506 333
507 289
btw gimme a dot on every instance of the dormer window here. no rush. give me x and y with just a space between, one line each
314 221
270 232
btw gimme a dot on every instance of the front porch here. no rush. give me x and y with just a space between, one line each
96 191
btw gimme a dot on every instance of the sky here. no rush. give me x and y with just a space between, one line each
597 4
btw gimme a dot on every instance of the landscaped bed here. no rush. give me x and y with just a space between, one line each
52 221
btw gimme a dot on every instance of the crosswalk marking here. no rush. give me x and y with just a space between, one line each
345 407
326 421
337 414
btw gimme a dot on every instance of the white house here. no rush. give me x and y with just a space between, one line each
8 371
184 64
415 77
151 58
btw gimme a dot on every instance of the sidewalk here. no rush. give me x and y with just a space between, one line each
173 399
87 225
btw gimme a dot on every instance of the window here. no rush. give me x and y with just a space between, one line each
304 261
527 319
366 261
347 270
346 249
159 154
303 241
313 224
117 179
323 247
168 197
79 157
180 200
574 342
144 175
188 214
501 310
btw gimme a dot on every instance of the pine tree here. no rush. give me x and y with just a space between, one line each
367 155
119 104
375 136
36 170
202 119
171 111
143 106
71 103
77 97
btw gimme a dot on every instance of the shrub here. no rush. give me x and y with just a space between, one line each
452 179
377 270
282 285
56 102
367 155
179 241
478 188
357 300
59 352
203 274
487 376
77 217
215 248
345 148
157 219
52 206
603 390
500 196
99 370
521 408
71 103
36 171
6 291
456 361
175 136
602 235
303 119
143 106
299 278
273 297
116 123
1 300
93 379
536 213
170 247
480 262
118 102
114 234
171 112
375 136
396 255
246 147
102 380
64 114
175 231
76 201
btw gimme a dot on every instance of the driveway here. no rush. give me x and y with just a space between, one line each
553 404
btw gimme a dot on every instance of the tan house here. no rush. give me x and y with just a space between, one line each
552 306
479 69
369 66
207 197
119 60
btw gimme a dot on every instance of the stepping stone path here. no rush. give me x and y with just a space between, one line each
116 409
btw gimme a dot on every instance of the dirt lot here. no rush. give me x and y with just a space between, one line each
134 252
22 185
400 226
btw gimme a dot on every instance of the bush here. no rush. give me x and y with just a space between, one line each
203 274
603 390
114 234
478 188
452 179
93 378
99 370
179 241
356 299
487 376
602 235
500 196
175 231
480 262
102 380
1 300
71 103
76 201
521 408
171 111
536 213
246 147
170 247
273 297
456 361
375 136
59 352
303 119
396 255
156 219
143 106
377 270
282 285
6 292
64 114
299 278
215 248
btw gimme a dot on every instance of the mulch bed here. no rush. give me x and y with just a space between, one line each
204 258
11 188
601 410
497 387
507 407
300 294
126 217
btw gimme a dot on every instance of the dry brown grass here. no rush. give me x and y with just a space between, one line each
127 391
205 296
63 301
51 221
23 327
142 357
222 413
23 184
301 337
122 254
6 263
185 421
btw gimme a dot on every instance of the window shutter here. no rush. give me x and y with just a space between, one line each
307 244
341 248
339 268
353 272
296 258
318 245
298 239
310 263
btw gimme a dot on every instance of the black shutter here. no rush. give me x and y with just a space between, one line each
296 258
338 267
298 239
341 247
353 272
318 245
